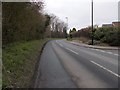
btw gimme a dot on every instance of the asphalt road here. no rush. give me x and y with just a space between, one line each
64 65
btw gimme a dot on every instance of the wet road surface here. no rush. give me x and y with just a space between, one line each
64 65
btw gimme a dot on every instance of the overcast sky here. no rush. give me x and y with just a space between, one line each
79 11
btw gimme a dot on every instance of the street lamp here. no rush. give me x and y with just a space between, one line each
67 21
92 21
67 25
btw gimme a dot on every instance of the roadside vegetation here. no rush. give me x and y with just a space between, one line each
103 36
25 29
25 21
19 60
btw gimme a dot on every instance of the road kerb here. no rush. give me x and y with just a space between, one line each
94 47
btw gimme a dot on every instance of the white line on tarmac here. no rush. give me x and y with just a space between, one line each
109 52
72 51
105 69
105 52
97 50
101 50
61 45
116 54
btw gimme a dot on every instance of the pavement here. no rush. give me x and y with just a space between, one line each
93 46
67 65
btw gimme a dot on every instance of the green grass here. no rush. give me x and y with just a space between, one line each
0 68
19 60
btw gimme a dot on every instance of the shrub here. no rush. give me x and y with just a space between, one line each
108 35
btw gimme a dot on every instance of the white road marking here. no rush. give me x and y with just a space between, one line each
105 52
101 50
97 50
105 69
109 52
61 45
116 54
72 51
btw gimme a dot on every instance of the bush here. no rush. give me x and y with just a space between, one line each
95 42
109 35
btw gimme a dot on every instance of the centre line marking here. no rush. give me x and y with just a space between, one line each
109 52
105 69
101 50
105 52
72 51
61 45
97 50
116 54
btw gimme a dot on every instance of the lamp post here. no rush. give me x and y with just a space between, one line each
67 21
67 26
92 21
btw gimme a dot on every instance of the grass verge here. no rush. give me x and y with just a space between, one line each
0 68
88 41
19 60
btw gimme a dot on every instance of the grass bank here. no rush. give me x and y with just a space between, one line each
19 60
0 68
87 41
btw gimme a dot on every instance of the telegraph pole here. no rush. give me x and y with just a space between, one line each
92 22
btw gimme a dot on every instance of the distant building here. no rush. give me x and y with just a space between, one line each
107 25
116 24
